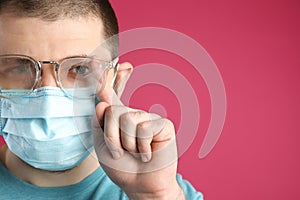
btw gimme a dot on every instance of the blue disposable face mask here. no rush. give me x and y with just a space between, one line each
48 129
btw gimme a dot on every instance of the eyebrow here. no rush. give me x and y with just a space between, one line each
70 56
75 55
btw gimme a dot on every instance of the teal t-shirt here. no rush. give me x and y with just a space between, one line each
96 186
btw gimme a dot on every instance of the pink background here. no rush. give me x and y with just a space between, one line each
256 46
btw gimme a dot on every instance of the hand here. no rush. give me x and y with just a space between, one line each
136 149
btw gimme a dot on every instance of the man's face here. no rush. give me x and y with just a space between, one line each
49 40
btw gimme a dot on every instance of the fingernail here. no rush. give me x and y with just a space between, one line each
145 158
116 155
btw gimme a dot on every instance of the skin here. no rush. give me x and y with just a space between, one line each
130 144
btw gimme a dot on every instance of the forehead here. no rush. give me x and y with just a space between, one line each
46 40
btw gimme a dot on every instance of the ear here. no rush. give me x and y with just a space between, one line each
123 74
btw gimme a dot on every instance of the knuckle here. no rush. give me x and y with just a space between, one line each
109 111
126 125
136 115
139 115
125 118
169 125
154 116
142 126
144 131
113 111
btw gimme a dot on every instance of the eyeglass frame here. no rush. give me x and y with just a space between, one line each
113 64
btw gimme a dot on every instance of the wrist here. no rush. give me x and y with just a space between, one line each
175 193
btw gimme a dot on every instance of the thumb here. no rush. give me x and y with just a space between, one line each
111 95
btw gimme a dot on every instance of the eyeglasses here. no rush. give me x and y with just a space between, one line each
23 73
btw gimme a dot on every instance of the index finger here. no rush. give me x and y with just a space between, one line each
108 97
107 93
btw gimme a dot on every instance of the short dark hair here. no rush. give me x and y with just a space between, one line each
52 10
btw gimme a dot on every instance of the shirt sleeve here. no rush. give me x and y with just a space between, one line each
189 191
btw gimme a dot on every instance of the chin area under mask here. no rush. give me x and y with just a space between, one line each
47 129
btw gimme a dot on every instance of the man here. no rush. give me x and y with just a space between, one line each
51 68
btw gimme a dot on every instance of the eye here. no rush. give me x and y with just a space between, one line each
20 69
80 69
18 66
